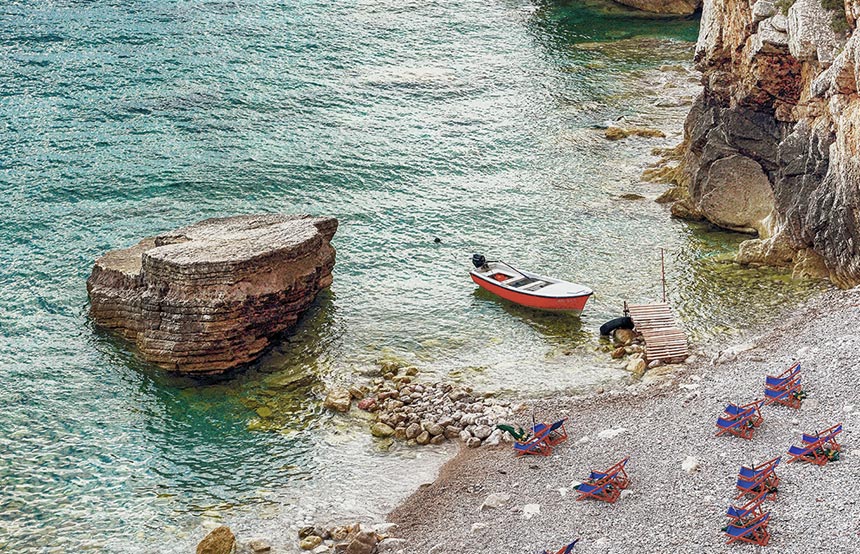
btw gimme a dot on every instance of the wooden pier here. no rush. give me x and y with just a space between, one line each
664 340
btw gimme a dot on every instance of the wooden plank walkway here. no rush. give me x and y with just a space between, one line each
664 340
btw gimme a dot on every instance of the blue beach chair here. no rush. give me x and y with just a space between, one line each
535 445
555 433
737 411
742 425
780 381
564 549
753 531
768 468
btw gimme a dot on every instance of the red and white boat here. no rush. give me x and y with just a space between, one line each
529 289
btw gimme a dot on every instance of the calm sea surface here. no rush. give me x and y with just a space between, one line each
470 121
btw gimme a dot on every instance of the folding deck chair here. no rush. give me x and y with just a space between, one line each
790 395
741 425
615 472
818 449
757 485
607 491
535 445
564 549
556 435
783 379
768 468
746 513
753 531
829 436
735 411
605 485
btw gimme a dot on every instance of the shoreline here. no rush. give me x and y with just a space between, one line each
680 410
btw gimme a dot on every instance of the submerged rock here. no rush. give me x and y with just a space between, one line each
212 296
678 7
338 399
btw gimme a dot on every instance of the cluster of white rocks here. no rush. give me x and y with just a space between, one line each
426 413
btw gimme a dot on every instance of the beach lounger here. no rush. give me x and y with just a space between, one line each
756 486
605 485
564 549
607 490
741 425
817 449
768 467
828 435
753 531
556 434
783 379
747 512
535 445
791 395
616 472
736 411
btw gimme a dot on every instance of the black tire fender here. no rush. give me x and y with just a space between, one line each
617 323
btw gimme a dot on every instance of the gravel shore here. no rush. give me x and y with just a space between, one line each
660 422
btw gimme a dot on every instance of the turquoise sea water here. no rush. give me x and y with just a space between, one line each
466 120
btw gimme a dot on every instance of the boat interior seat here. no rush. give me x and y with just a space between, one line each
513 280
535 285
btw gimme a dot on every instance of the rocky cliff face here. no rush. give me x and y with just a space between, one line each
209 297
772 143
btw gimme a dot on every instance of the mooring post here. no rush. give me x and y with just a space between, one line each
663 273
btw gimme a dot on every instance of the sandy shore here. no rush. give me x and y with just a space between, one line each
659 423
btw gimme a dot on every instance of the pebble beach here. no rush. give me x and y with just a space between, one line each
682 476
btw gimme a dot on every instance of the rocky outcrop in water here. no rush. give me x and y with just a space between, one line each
210 297
679 7
772 143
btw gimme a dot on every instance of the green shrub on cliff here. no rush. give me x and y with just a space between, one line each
784 5
839 21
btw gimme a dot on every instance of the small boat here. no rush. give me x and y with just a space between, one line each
528 289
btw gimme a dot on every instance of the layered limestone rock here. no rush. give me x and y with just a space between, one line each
772 142
210 297
678 7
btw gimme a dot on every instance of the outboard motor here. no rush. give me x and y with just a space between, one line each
479 261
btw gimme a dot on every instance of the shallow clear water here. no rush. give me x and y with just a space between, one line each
469 121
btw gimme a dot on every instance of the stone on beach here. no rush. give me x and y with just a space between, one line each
338 399
690 464
381 430
219 541
531 510
212 296
611 433
495 500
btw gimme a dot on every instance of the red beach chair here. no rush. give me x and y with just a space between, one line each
790 395
753 531
615 472
535 445
768 468
818 449
556 434
741 425
746 513
605 485
564 549
785 378
735 411
757 485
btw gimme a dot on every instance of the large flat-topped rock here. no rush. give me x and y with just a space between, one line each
211 296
